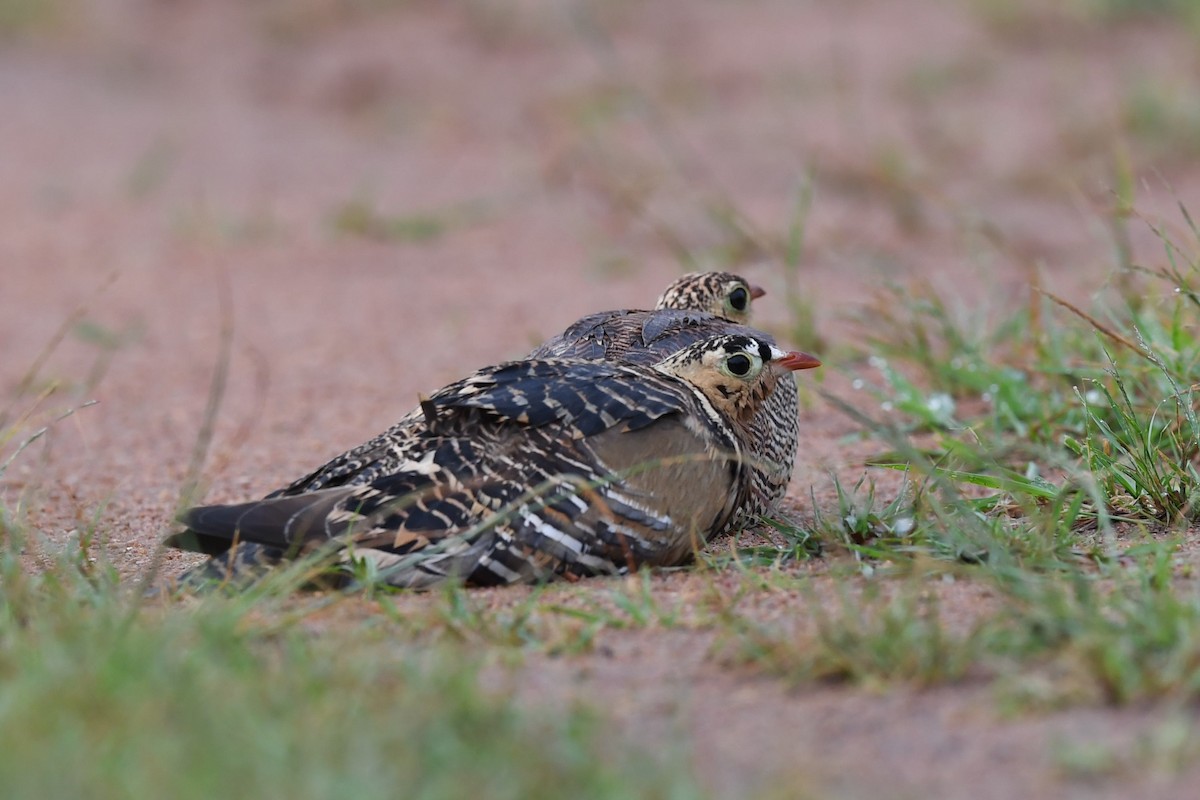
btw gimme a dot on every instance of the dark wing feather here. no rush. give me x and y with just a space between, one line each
279 522
585 397
662 325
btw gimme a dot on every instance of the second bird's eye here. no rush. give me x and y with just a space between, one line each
738 298
738 365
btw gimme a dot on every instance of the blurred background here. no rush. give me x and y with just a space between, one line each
388 194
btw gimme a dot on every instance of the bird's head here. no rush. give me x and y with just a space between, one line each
735 372
721 293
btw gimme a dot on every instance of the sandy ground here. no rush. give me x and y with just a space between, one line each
373 201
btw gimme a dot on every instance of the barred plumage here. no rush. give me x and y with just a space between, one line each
538 469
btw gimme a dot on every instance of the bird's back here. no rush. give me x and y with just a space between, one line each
637 337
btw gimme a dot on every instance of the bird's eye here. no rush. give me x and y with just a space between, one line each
739 364
738 298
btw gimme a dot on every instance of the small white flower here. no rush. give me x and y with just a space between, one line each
1093 397
857 383
903 526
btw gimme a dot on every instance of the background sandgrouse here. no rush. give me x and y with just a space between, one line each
537 469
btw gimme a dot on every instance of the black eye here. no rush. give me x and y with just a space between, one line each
738 299
738 365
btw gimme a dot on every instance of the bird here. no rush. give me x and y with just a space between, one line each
694 307
539 469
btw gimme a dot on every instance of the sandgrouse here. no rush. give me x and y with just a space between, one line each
693 307
542 468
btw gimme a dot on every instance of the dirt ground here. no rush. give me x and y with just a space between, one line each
390 195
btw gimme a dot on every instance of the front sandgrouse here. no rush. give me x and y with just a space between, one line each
538 469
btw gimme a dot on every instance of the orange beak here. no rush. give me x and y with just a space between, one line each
796 360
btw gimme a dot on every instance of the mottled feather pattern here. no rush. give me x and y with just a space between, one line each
400 507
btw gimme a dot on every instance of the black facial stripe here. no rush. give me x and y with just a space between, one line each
736 342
